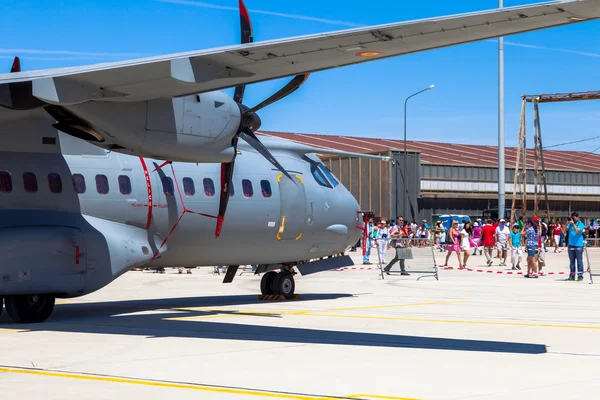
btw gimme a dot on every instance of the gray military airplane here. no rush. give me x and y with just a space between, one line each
109 167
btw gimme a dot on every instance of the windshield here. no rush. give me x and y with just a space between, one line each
318 175
329 175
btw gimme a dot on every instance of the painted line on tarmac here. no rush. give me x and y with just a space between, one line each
309 313
456 321
501 272
374 396
176 385
400 305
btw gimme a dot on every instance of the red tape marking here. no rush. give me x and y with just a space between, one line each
77 254
149 186
185 210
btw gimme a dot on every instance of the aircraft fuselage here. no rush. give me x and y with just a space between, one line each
270 219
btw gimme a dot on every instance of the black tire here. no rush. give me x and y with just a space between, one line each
284 284
1 304
29 309
265 282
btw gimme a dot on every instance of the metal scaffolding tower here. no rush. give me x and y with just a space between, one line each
539 171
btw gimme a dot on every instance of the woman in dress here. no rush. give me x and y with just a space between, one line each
465 242
453 240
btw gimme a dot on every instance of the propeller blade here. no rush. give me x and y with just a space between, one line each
285 91
16 66
226 175
245 24
253 141
246 37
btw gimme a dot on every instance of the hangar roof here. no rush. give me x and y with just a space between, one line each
447 154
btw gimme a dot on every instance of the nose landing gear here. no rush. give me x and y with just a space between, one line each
282 283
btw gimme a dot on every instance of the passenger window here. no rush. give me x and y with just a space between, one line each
232 190
188 187
329 175
265 187
5 182
30 182
209 187
102 184
247 188
124 184
79 183
168 188
55 183
318 175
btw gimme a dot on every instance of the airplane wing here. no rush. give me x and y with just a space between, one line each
214 69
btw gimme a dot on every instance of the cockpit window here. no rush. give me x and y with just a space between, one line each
318 175
329 175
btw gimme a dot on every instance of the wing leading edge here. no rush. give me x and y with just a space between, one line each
214 69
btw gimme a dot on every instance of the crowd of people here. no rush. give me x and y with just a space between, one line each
524 239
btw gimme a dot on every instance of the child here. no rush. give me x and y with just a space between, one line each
514 241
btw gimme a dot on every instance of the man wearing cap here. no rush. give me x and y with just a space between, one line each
502 233
368 242
575 245
381 240
398 232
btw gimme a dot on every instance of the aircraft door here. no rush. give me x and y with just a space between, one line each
293 208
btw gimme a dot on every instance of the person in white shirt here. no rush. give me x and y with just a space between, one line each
381 241
466 234
502 232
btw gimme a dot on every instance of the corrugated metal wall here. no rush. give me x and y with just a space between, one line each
368 180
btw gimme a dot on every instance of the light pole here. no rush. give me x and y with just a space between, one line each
405 154
501 165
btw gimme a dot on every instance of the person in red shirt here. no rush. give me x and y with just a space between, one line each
488 234
556 231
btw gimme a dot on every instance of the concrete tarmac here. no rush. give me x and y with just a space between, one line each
352 335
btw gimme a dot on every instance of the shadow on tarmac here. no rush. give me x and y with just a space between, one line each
108 318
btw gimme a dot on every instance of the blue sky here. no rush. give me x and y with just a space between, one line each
363 100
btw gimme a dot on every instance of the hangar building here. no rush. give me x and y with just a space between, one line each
453 178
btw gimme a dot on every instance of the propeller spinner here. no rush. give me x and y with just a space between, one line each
250 122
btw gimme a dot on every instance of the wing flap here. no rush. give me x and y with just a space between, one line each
196 72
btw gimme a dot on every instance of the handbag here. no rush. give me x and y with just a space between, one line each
449 239
404 253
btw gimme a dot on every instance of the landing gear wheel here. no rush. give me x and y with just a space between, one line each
284 284
265 282
30 308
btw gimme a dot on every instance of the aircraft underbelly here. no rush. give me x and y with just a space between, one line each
42 259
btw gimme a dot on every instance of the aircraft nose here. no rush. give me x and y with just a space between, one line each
354 223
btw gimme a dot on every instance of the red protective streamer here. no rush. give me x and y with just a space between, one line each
149 186
185 209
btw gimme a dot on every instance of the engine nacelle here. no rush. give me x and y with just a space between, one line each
196 128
